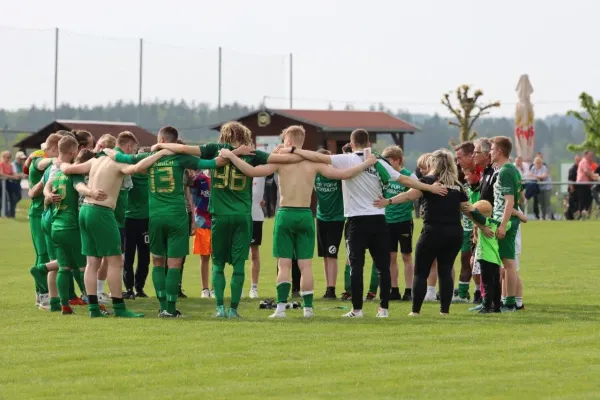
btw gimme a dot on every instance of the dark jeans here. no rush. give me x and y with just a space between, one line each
136 238
490 278
584 196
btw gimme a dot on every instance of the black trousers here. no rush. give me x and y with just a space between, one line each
573 204
136 238
368 232
441 242
584 197
490 277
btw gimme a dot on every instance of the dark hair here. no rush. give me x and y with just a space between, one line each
324 151
169 133
360 137
84 155
467 147
347 148
504 145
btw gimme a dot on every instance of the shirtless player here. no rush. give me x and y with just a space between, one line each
99 231
294 233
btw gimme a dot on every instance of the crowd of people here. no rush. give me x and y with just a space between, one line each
11 175
95 205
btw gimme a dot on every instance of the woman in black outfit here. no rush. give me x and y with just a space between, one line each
441 236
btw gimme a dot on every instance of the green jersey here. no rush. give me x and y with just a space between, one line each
397 212
487 248
122 200
330 201
35 175
137 206
49 210
230 190
508 182
65 213
473 198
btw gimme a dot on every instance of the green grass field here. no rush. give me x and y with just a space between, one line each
550 350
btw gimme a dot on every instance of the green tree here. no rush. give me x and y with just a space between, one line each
466 112
591 124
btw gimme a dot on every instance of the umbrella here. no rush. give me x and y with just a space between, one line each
524 127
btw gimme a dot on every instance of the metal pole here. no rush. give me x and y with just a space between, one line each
220 80
3 213
291 82
139 110
55 72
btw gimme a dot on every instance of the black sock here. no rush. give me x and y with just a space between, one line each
116 300
407 291
395 290
92 299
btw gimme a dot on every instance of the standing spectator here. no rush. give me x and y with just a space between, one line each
16 191
584 192
573 201
535 193
203 221
540 172
6 172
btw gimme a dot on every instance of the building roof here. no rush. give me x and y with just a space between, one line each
344 121
96 128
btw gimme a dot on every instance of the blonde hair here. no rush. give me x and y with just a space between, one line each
67 144
236 133
5 153
423 161
443 167
393 152
484 207
109 140
538 160
53 139
126 137
296 134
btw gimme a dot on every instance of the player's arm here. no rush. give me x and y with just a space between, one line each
247 169
36 190
304 154
423 187
77 169
178 148
49 196
478 218
522 217
411 195
84 190
42 163
505 180
142 166
341 174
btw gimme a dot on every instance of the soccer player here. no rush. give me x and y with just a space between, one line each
169 227
258 217
231 209
100 236
202 236
36 171
330 226
294 232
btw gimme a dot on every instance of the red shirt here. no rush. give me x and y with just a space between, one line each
6 168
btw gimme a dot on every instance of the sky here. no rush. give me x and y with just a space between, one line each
404 54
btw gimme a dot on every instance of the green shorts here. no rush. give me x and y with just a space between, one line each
506 246
467 243
99 231
47 231
68 248
231 237
37 236
169 236
294 233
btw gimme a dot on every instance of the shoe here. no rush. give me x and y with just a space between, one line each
104 310
212 293
141 294
308 312
77 302
407 296
97 312
430 297
329 294
346 296
505 308
165 314
66 310
370 296
129 295
84 298
383 313
395 295
296 294
413 314
181 295
278 314
233 314
205 294
44 302
522 308
455 293
253 293
484 310
437 296
477 299
103 298
220 312
476 308
458 299
37 300
353 314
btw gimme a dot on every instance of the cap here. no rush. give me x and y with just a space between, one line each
20 154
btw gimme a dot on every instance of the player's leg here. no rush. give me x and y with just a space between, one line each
39 245
103 298
335 231
143 257
284 251
257 228
373 284
62 240
466 271
115 276
431 281
395 230
177 248
87 222
507 254
356 244
304 250
158 249
449 245
425 257
406 250
488 271
221 243
131 235
284 284
519 291
379 248
240 248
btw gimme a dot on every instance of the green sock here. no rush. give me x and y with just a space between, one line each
173 279
78 275
463 289
43 286
55 304
218 279
159 281
307 299
62 282
347 281
283 291
510 301
38 277
94 310
72 294
121 310
374 284
237 284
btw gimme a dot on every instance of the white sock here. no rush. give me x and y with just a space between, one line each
281 307
519 301
477 287
431 290
503 298
254 286
100 286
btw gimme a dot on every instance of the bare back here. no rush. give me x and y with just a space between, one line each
105 174
296 182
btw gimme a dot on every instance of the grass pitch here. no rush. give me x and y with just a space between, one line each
550 350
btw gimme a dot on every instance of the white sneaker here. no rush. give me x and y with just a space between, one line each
253 294
103 298
458 299
205 294
278 314
353 314
212 293
37 299
44 302
308 312
383 313
430 297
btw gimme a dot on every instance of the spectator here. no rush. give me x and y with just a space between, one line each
584 192
540 172
6 172
15 187
535 193
573 202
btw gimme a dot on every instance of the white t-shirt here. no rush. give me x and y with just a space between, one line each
258 193
361 191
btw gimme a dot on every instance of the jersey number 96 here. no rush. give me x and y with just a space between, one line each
229 176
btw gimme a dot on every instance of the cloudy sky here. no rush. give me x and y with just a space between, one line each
402 53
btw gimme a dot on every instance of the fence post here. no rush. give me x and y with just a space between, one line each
55 72
220 82
139 111
4 198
